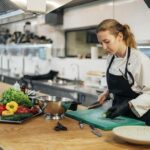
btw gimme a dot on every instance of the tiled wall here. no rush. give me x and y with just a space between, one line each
68 68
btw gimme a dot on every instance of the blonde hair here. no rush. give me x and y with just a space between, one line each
115 27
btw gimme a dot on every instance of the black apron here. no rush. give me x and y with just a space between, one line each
120 87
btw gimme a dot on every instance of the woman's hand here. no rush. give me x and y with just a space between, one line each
116 111
102 97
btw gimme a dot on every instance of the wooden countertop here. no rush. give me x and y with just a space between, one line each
38 134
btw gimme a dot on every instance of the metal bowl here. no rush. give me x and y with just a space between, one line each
54 107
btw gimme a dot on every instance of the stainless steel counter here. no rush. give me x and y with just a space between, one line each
83 94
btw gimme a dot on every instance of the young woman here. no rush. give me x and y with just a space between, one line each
127 72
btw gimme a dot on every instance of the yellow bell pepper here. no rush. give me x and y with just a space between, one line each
7 113
12 106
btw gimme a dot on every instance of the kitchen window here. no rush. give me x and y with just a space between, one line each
79 43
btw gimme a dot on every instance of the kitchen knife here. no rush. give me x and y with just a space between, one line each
95 131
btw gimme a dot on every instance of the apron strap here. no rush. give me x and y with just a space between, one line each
128 56
126 68
110 62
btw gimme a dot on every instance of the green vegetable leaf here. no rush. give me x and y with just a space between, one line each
17 96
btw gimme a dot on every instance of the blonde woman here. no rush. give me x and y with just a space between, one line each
127 72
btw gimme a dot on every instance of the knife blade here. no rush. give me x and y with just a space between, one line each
94 105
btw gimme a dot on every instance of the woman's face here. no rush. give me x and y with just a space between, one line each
109 42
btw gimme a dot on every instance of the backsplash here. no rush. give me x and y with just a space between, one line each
70 68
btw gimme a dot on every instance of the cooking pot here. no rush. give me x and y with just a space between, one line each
54 107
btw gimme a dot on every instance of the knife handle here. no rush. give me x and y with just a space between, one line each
95 131
94 105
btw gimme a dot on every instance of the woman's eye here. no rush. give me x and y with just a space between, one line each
107 42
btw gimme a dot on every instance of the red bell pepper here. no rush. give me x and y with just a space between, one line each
2 108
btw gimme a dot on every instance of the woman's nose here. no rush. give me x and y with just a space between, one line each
104 46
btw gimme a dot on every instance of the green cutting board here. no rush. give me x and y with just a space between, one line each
95 118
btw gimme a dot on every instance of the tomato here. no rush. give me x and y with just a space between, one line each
2 108
22 109
34 110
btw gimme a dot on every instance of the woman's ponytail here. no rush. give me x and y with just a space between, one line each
129 37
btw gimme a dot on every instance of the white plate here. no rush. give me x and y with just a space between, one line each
133 134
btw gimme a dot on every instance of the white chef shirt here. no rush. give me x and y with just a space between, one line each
139 66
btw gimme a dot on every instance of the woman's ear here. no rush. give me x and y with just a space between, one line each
120 36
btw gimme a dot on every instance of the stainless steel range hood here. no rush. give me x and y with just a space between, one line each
16 10
6 6
37 5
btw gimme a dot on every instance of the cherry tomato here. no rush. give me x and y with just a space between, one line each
34 110
22 109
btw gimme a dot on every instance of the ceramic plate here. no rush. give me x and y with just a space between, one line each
133 134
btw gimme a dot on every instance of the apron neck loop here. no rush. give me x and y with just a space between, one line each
128 56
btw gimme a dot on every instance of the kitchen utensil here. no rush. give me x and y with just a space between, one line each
54 106
60 127
95 131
